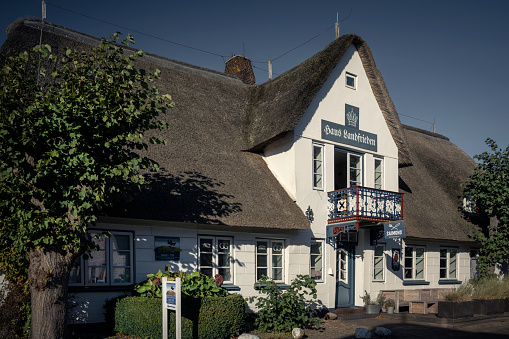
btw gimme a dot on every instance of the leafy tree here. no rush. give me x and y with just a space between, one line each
70 128
488 187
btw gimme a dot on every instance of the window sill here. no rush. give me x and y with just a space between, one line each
415 282
230 287
120 288
449 282
280 285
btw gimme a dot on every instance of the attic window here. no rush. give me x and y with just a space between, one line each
351 80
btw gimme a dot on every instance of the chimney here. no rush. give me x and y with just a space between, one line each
240 67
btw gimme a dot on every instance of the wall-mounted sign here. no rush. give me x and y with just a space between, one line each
394 230
352 116
396 257
167 248
349 136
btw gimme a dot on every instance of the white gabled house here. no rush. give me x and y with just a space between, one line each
293 176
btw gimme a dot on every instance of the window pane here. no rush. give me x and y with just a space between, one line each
408 273
419 268
419 252
316 248
261 260
443 273
379 251
75 275
443 253
277 261
120 242
97 258
260 272
277 247
277 273
223 260
225 273
261 247
207 271
224 246
121 275
206 245
205 259
97 275
101 242
379 274
121 258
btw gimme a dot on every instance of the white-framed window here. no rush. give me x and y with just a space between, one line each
317 260
347 169
215 256
448 263
414 260
378 263
351 80
379 171
270 259
317 166
110 265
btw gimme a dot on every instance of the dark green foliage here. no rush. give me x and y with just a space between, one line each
488 188
14 311
194 284
209 317
282 310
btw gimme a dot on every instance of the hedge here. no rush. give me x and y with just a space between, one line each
206 318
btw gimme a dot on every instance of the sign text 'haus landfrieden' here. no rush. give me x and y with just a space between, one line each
349 134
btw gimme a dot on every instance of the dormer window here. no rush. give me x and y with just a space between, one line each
351 80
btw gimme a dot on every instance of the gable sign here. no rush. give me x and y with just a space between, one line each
349 134
394 230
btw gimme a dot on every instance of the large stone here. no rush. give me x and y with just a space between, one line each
248 336
362 333
297 333
382 332
331 316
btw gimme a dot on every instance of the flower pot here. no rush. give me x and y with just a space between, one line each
372 309
390 309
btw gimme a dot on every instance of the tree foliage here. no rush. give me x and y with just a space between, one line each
71 128
488 187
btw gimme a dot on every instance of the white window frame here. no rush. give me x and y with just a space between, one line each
270 254
413 266
380 172
379 259
83 265
313 257
360 169
352 76
216 251
447 263
318 170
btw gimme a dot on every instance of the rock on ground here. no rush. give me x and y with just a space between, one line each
248 336
297 333
362 333
383 332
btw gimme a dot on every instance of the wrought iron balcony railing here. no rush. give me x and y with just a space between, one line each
362 203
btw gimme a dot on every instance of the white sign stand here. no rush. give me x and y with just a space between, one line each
172 301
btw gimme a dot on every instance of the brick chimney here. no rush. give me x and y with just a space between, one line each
240 67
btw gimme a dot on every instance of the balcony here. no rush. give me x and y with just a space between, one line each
364 204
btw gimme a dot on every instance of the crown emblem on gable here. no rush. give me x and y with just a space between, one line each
352 118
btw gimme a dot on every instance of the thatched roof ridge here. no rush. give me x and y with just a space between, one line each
432 187
276 107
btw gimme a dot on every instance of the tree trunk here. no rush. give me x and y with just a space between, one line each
49 278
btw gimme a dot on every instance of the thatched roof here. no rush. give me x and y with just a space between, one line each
211 169
277 106
432 188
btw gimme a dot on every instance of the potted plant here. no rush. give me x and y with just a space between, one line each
372 306
389 305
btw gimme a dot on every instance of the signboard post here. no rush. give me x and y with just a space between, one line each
171 301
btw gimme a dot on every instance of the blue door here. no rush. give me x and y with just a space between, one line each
345 276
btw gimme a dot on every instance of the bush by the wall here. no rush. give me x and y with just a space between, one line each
209 317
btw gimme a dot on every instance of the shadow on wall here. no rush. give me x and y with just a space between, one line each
186 197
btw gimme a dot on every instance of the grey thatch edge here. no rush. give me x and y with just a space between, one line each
415 129
276 107
92 41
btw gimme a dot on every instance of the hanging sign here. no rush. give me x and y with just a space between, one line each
396 257
172 301
394 229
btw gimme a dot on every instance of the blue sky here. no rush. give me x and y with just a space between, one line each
442 61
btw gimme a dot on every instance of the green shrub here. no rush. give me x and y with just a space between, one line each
280 310
208 317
